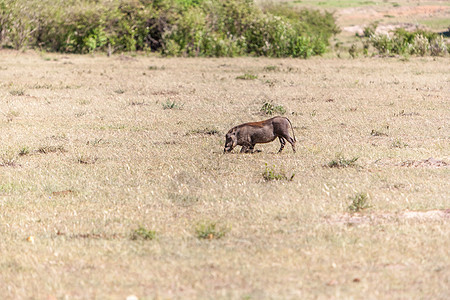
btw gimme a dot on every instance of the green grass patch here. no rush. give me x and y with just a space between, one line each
340 162
143 234
171 104
247 76
210 230
268 108
359 202
270 174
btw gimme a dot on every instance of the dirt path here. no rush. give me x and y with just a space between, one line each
353 20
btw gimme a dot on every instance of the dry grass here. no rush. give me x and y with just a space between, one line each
118 162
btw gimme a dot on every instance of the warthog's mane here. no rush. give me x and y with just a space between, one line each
254 124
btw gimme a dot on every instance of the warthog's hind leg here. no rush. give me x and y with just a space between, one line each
283 142
290 140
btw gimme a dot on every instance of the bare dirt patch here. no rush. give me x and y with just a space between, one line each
382 28
355 19
376 218
368 13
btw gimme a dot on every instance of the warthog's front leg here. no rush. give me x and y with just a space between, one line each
248 148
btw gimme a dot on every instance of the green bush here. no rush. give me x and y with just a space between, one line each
174 27
403 42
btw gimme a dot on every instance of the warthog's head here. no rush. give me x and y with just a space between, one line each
230 140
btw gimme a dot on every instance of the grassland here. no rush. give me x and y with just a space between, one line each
113 181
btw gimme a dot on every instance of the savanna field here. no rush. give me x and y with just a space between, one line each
114 183
113 179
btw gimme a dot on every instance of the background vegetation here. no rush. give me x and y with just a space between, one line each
403 42
174 27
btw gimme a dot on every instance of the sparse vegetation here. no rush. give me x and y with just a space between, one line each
143 234
171 104
270 174
376 132
17 92
165 170
10 115
340 162
353 51
247 76
50 149
399 144
8 158
210 230
271 68
207 131
85 159
359 202
268 108
24 151
119 91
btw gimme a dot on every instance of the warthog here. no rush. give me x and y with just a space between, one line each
249 134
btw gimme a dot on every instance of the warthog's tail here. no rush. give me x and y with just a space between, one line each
292 129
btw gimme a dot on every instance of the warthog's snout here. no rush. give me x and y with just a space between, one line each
230 141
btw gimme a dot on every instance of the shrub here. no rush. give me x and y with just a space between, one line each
24 151
438 47
421 45
403 42
382 42
370 29
269 108
359 202
209 230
